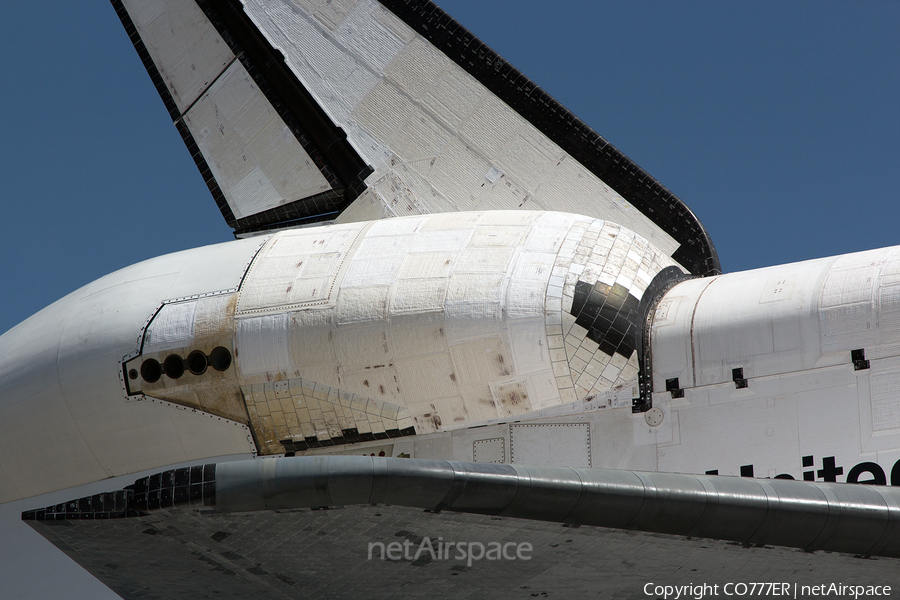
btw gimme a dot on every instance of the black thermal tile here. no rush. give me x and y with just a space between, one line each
596 297
585 321
602 324
181 495
182 476
616 302
582 291
609 312
613 337
632 303
590 310
621 325
209 493
625 350
603 289
619 291
607 348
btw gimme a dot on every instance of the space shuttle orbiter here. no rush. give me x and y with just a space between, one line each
436 261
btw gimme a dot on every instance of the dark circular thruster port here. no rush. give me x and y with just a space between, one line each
151 370
173 366
220 358
197 362
132 374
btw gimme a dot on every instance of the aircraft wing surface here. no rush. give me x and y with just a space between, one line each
307 111
366 534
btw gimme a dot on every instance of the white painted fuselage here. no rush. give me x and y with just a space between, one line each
456 336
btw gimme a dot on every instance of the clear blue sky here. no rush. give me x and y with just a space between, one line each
776 122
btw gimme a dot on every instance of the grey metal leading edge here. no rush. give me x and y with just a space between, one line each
850 518
839 517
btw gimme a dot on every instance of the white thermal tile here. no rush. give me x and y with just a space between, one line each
418 296
528 343
481 361
561 368
372 272
456 166
262 344
416 67
256 159
400 228
346 83
471 320
475 287
444 240
584 354
383 111
577 365
184 45
311 337
420 138
533 266
362 304
586 381
427 378
172 327
427 264
418 334
496 235
545 240
386 245
453 96
367 38
567 320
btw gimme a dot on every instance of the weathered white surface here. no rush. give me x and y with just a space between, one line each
791 329
186 49
552 444
458 318
438 140
66 420
255 158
